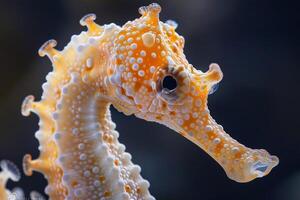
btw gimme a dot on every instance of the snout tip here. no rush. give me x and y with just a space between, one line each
264 164
260 166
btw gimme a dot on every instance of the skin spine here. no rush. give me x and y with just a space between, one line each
80 154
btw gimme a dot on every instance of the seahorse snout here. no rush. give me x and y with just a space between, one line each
263 163
259 163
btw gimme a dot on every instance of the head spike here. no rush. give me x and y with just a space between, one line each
151 12
27 168
34 195
214 74
48 49
9 171
172 23
27 105
17 194
153 9
30 165
88 21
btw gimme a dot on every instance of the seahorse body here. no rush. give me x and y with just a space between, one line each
80 153
140 69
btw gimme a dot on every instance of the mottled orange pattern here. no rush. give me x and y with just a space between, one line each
140 69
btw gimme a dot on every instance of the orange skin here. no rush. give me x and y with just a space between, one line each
126 67
185 110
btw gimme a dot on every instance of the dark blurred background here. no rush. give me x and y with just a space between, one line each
256 44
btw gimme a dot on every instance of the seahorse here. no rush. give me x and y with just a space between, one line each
140 69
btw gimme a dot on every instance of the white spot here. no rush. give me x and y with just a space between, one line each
183 74
92 40
198 103
74 38
180 122
139 60
121 56
195 115
208 128
129 74
143 53
66 177
121 37
80 48
121 68
135 66
95 170
85 78
96 183
163 53
141 26
55 116
89 62
55 58
141 73
172 23
148 39
132 60
75 131
116 79
74 77
81 146
153 85
170 60
87 173
78 192
133 46
186 117
153 55
152 69
129 40
57 136
216 140
82 156
59 106
235 149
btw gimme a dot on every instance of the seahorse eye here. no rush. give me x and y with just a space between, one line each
172 84
169 82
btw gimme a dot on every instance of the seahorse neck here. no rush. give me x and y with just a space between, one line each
80 154
90 155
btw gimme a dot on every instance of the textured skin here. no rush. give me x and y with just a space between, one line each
9 171
80 154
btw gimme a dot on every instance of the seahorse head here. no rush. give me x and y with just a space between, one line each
153 80
155 76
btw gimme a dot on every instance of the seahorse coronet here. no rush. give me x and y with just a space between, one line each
80 154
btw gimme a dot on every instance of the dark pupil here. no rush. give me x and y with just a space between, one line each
169 83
